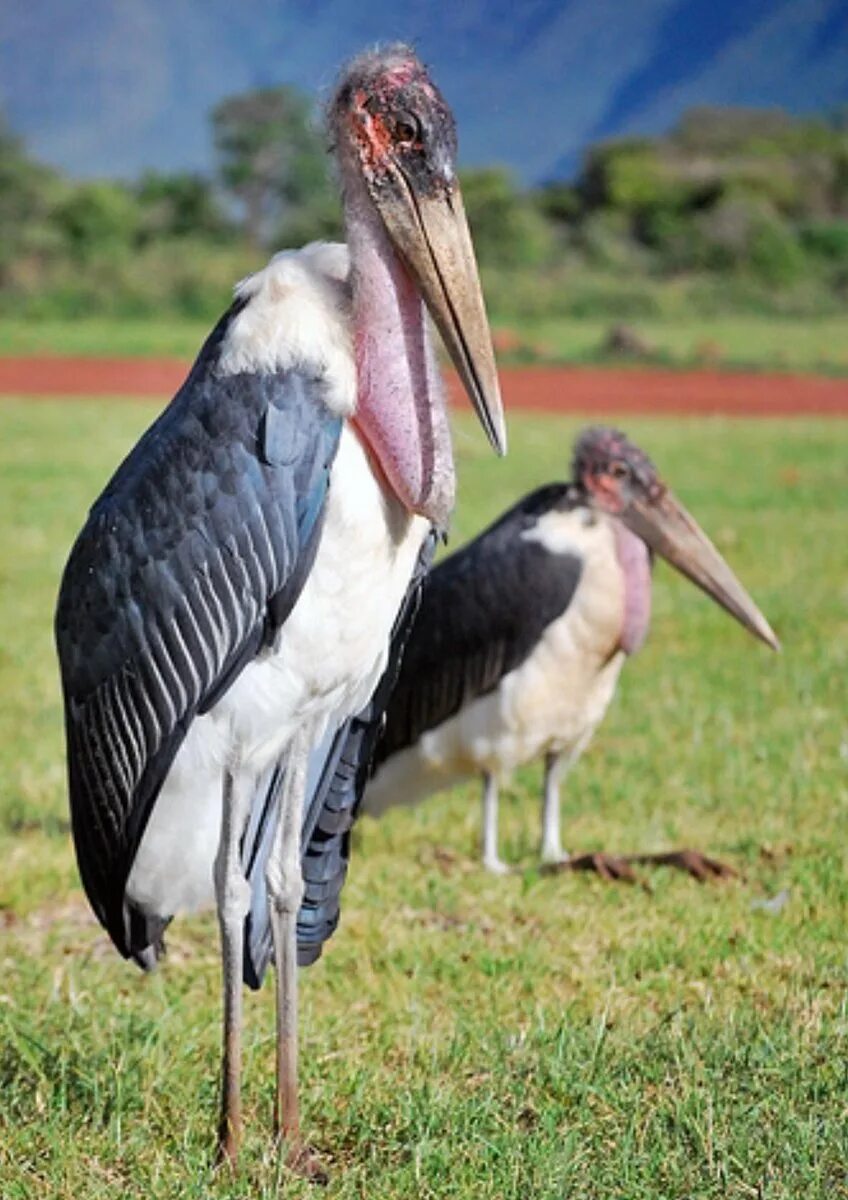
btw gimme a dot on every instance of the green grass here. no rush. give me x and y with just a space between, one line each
742 341
466 1036
813 344
104 337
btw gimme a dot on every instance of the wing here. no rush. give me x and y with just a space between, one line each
338 770
189 562
482 611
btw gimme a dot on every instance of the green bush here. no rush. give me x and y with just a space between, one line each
28 192
567 290
180 205
776 255
606 241
826 240
558 202
508 229
735 210
180 276
98 220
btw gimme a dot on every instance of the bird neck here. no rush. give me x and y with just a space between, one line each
401 412
634 559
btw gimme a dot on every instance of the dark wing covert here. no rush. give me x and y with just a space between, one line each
189 562
482 611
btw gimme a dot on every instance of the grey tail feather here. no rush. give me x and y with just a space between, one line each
338 771
257 843
148 958
148 933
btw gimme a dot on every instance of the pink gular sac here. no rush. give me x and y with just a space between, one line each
401 413
635 561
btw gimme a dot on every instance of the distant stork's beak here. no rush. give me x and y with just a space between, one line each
668 529
430 232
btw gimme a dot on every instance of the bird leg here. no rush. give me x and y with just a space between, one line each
554 859
490 826
233 900
284 877
551 851
608 866
556 768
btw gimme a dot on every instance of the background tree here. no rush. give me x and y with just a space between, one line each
731 210
180 205
272 160
508 228
98 220
28 192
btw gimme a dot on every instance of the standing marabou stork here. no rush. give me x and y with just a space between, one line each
521 635
228 606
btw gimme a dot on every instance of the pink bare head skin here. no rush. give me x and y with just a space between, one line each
617 478
386 109
609 468
612 470
401 414
410 251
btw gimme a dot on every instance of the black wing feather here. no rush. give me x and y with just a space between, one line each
482 611
189 562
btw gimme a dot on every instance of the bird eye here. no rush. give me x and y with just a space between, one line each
407 129
619 470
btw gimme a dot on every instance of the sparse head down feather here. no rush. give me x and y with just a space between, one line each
383 73
386 109
603 451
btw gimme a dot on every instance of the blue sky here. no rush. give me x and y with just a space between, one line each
110 87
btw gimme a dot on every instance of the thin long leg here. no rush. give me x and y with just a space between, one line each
551 850
233 898
557 766
491 861
284 877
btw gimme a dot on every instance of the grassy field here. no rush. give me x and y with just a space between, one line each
100 336
814 344
466 1036
738 341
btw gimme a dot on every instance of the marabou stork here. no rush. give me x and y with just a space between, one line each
521 635
227 610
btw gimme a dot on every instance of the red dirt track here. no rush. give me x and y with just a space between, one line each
582 390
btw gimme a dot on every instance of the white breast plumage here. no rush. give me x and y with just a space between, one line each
553 701
549 699
322 667
325 665
327 660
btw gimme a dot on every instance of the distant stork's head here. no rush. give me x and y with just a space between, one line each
618 479
395 140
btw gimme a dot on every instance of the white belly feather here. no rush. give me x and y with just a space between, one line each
331 652
553 701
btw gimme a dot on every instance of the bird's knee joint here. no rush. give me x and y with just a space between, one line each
285 886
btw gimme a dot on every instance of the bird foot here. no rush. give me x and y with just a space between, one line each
608 866
556 860
496 866
303 1160
693 862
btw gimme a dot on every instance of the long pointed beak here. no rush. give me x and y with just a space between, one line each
431 234
669 529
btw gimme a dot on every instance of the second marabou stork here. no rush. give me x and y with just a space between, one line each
226 612
521 636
